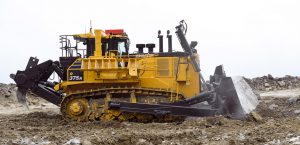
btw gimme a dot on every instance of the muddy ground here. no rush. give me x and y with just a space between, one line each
43 124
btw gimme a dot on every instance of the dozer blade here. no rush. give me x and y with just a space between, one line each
236 96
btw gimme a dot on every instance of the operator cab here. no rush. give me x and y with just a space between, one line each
113 40
117 40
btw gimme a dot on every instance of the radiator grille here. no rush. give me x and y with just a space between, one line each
163 67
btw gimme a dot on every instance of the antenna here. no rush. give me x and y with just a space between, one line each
91 26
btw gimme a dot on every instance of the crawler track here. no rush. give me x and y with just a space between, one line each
89 105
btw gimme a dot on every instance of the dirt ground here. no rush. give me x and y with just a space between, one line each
43 124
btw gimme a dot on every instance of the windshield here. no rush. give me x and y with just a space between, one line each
119 44
121 48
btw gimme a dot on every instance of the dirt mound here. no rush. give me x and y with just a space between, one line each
269 83
7 93
8 97
279 107
6 90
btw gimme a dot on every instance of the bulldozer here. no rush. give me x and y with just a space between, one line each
107 80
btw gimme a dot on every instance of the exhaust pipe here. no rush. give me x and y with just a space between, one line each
169 41
161 43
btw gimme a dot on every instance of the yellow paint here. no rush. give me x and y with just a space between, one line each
98 50
132 97
57 87
172 73
75 107
144 72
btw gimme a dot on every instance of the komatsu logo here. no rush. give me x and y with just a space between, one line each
75 75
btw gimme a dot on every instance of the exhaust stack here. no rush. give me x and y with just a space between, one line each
161 41
169 41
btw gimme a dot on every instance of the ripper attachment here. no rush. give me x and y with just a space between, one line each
35 77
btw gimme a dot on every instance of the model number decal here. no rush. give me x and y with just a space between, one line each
75 78
75 75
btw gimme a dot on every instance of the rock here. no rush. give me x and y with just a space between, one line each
260 139
73 141
217 120
273 106
12 143
241 137
143 142
267 85
268 89
288 76
270 77
281 83
295 140
297 111
256 116
293 100
87 142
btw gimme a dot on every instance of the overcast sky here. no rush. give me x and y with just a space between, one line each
250 38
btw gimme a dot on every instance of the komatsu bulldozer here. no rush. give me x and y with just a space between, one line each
105 81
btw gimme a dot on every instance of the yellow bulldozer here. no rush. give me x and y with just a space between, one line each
104 81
